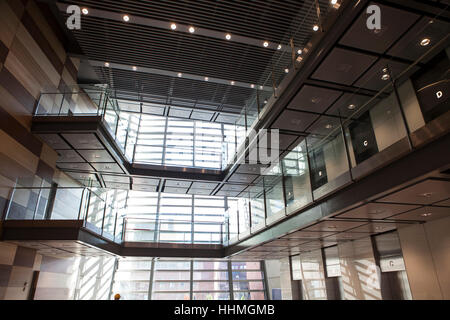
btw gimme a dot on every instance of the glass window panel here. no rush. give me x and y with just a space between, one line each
210 275
210 286
258 295
248 285
211 296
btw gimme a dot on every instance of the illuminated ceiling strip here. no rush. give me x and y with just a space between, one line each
183 28
96 63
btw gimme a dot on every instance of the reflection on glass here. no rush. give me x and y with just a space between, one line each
273 186
296 175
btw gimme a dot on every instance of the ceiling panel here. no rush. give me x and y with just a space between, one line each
408 47
96 156
308 234
69 156
343 66
175 190
142 187
75 166
82 176
326 126
425 192
243 178
336 226
375 227
178 183
251 168
394 23
294 120
204 185
314 99
54 141
83 140
116 185
423 214
145 181
349 103
445 203
107 167
343 236
120 179
373 211
204 192
372 78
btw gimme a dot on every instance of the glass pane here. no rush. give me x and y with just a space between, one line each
259 295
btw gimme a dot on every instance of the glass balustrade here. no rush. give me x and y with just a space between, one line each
69 204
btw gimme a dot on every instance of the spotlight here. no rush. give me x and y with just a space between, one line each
252 86
279 47
328 126
85 11
191 29
385 77
134 68
232 83
265 44
126 18
107 64
228 36
426 214
286 70
335 4
180 75
425 42
261 87
206 79
299 51
351 107
265 101
173 26
316 28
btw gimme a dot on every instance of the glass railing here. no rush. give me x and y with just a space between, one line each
401 104
174 231
65 203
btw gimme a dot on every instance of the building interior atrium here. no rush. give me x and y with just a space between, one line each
224 150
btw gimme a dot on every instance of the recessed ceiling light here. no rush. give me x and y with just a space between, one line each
265 101
206 78
426 214
299 51
106 64
378 228
331 227
180 75
252 86
351 107
385 77
286 70
173 26
261 87
85 11
279 47
299 59
425 42
134 68
426 195
232 83
335 4
376 211
228 36
315 28
328 126
191 29
265 44
126 18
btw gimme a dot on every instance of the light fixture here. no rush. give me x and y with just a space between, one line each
126 18
426 194
265 101
180 75
299 51
206 79
279 47
425 42
134 68
351 107
328 126
228 36
232 83
376 211
265 44
286 70
299 59
252 86
315 28
385 77
107 64
191 29
173 26
365 143
332 227
85 11
426 214
261 87
335 4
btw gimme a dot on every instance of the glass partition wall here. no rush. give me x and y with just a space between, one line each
163 279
